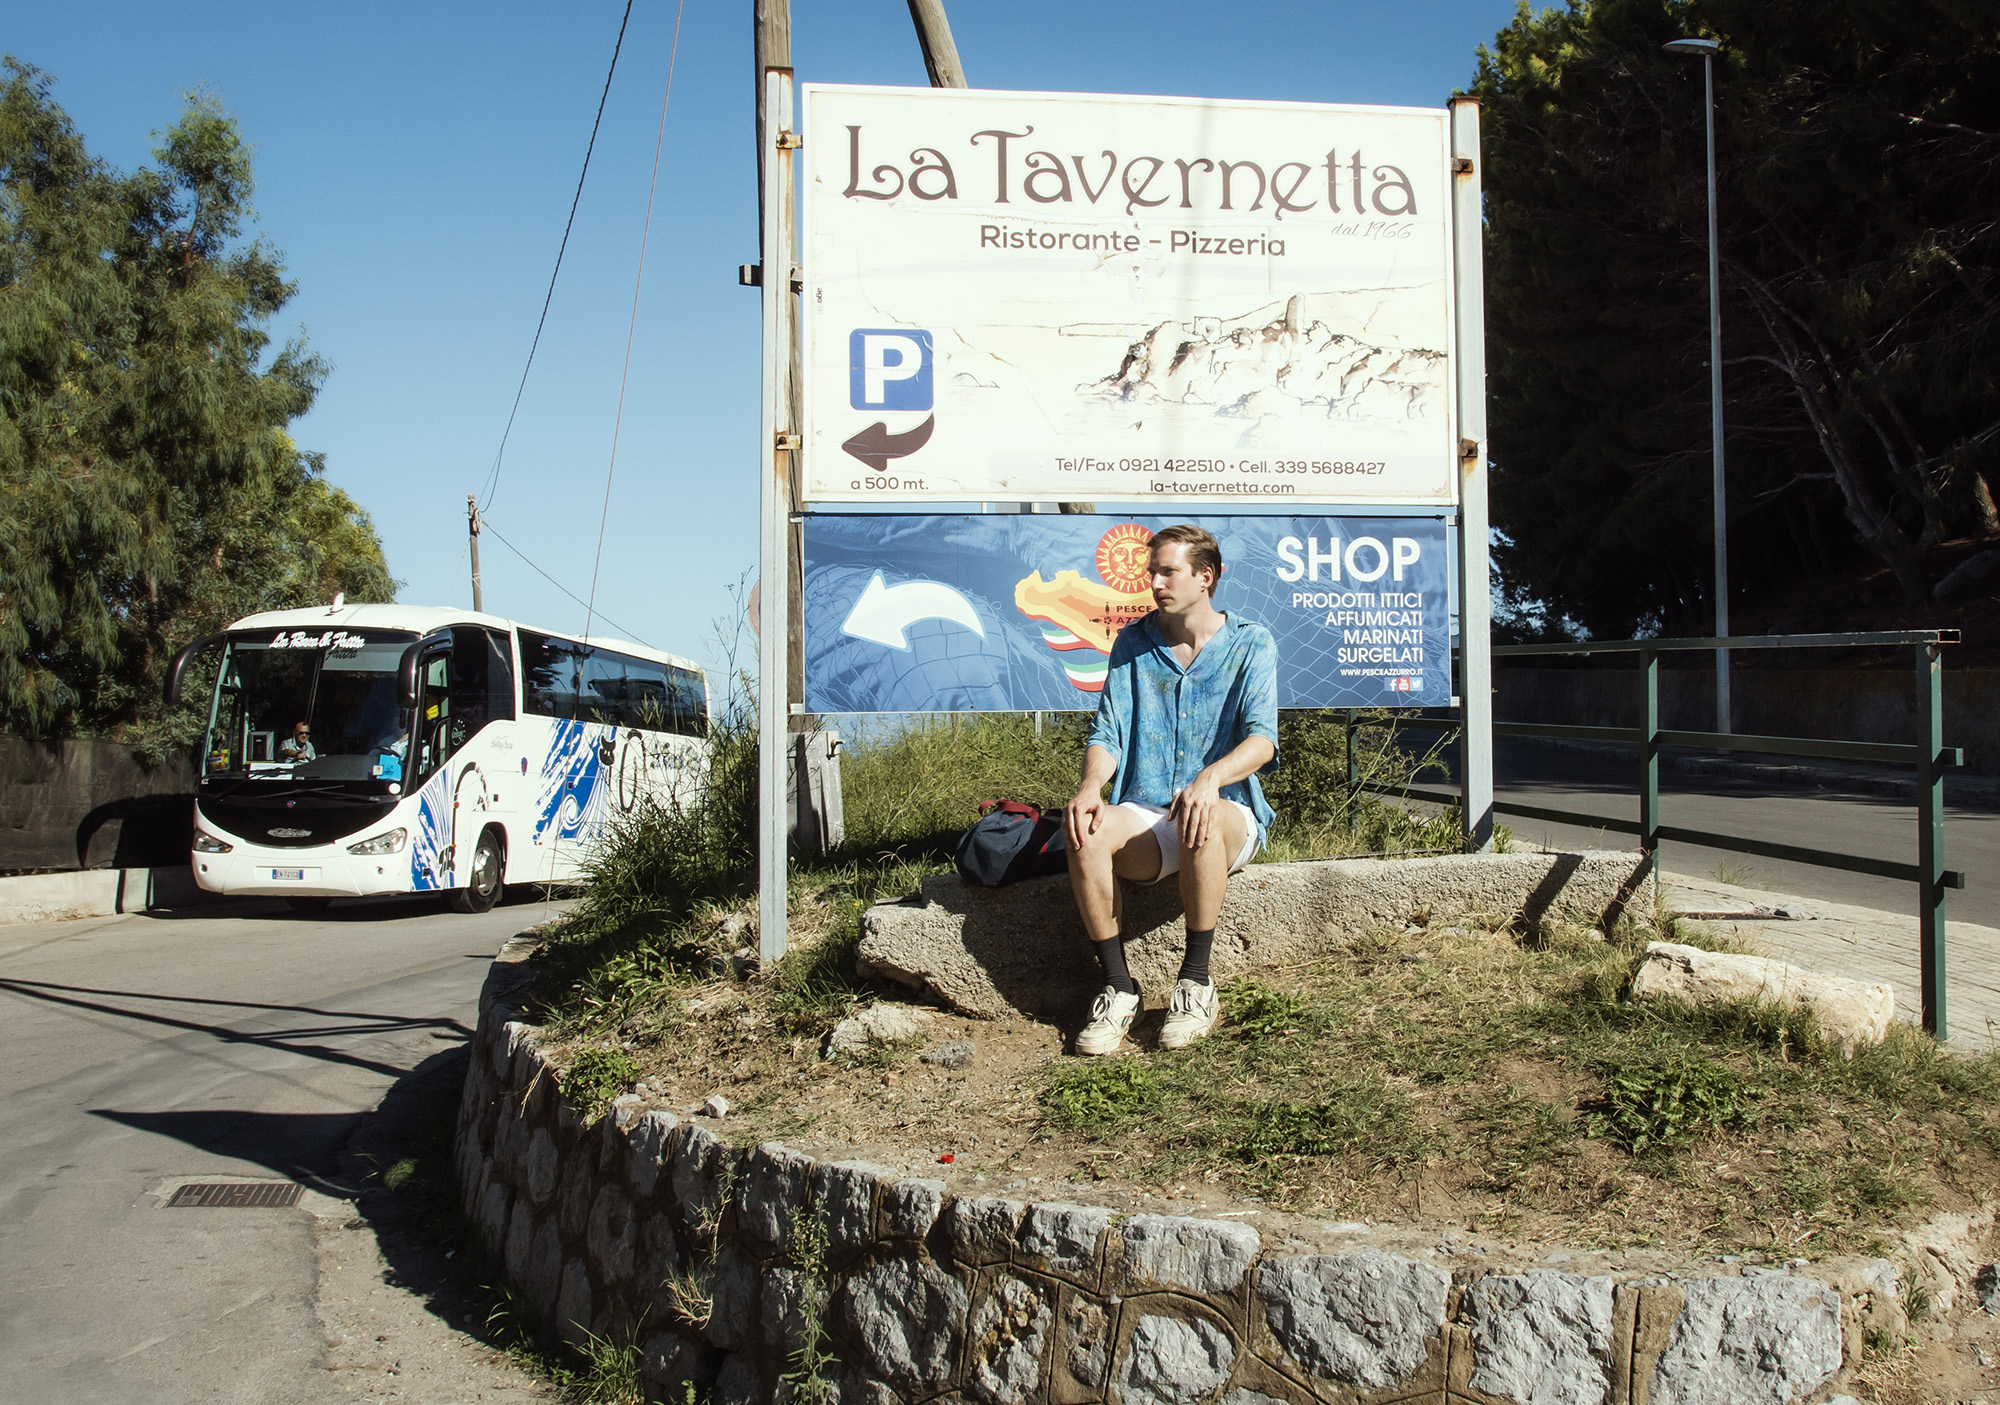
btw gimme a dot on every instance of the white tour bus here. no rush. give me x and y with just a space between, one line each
356 750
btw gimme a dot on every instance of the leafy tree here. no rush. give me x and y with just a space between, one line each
1859 172
149 489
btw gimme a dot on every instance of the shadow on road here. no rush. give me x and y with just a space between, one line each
302 1146
338 1024
429 1248
394 907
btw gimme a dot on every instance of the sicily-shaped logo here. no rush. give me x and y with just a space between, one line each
1080 619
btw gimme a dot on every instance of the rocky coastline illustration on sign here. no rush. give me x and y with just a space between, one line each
1282 369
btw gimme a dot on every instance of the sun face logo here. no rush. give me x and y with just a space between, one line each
1124 561
1080 619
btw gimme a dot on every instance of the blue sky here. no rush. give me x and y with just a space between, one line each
415 166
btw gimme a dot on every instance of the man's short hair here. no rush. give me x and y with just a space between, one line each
1204 552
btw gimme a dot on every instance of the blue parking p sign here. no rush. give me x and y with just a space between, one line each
889 368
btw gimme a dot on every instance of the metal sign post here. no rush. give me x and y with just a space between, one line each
777 445
1475 599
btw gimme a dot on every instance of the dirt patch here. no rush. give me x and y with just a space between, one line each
1442 1079
389 1338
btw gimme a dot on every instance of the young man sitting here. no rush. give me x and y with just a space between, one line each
1188 717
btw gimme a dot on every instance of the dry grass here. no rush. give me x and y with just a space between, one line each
1471 1074
1434 1075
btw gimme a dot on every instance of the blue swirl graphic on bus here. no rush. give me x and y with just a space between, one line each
572 798
433 825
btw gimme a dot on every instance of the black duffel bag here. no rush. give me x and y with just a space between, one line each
1011 841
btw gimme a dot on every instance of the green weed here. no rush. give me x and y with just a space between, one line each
811 1376
595 1077
610 1374
1367 1114
1662 1105
1257 1012
1102 1095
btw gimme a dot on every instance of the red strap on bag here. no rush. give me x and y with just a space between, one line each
1011 807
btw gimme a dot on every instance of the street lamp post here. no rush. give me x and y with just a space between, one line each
1707 49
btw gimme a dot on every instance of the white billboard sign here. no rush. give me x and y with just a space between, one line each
1060 296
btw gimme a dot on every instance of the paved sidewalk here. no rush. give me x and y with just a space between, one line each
1857 942
1964 788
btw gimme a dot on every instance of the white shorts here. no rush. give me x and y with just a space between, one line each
1167 833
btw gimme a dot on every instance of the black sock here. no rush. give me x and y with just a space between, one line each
1194 966
1111 955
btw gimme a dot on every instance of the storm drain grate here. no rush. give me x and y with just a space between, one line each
237 1195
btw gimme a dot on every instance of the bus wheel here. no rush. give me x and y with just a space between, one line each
482 886
308 904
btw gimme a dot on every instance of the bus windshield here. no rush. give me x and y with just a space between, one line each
304 704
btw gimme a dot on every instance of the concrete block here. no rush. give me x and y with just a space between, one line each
1850 1012
989 952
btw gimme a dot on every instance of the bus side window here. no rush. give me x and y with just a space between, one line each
690 702
499 676
482 682
434 715
548 675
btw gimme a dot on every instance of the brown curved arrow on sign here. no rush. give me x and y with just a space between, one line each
875 445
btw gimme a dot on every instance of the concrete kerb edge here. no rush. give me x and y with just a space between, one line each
915 1320
96 892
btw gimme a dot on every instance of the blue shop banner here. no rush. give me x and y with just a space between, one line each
1017 612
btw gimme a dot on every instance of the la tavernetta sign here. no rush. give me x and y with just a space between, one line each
1033 296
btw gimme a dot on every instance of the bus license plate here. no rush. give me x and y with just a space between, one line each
288 875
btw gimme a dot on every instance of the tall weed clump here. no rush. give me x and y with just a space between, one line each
666 858
919 784
1316 816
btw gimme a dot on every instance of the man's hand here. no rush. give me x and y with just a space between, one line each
1084 814
1194 810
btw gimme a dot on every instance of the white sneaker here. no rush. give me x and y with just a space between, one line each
1191 1014
1111 1014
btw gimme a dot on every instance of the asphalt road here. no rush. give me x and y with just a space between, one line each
234 1041
1872 826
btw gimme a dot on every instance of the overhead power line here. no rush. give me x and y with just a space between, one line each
486 525
493 476
632 327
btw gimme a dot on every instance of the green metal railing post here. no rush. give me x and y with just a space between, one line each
1649 753
1930 836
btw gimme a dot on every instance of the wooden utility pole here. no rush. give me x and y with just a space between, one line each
940 54
472 525
772 45
941 63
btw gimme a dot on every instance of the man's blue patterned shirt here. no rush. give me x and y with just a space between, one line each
1163 723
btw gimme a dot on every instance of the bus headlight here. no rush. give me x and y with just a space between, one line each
390 843
209 844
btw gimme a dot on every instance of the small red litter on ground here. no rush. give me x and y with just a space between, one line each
947 1158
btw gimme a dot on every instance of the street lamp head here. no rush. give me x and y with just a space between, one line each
1702 48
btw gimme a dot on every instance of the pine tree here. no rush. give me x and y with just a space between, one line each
1860 241
149 487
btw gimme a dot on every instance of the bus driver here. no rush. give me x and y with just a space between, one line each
298 746
1188 717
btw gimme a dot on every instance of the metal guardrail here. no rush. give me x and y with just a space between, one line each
1927 754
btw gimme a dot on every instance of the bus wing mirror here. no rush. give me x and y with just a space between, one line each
412 663
178 667
406 677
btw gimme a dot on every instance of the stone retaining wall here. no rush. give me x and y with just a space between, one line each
925 1295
